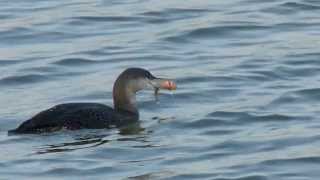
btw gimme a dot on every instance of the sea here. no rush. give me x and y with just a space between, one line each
246 105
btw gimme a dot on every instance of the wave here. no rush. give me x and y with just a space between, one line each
217 32
295 97
291 8
234 119
75 62
23 79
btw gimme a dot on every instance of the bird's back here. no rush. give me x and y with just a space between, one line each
71 116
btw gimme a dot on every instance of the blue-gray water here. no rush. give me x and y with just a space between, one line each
247 103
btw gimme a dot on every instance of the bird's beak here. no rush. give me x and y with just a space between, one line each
161 83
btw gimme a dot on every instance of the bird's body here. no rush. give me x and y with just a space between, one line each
74 116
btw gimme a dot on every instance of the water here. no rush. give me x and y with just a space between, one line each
246 107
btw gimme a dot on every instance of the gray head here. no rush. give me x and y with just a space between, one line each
133 80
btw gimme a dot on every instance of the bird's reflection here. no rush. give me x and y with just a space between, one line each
132 132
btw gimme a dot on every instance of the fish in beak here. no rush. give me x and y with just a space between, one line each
162 83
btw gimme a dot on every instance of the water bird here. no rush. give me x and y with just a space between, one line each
73 116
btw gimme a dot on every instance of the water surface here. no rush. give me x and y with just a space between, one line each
248 88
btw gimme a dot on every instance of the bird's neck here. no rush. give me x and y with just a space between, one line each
124 99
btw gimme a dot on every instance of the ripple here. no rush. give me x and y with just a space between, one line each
303 59
246 106
250 177
288 161
75 62
219 132
26 36
15 30
297 71
312 94
293 97
300 6
175 11
207 123
267 75
153 175
219 123
194 158
173 14
242 147
194 176
85 20
9 62
216 32
195 79
23 79
60 172
42 69
217 176
206 95
71 146
206 79
292 8
294 26
224 118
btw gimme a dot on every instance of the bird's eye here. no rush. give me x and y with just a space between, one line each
150 76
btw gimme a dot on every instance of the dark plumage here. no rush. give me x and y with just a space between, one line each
74 116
